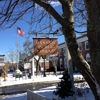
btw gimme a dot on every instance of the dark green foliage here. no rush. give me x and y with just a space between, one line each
64 87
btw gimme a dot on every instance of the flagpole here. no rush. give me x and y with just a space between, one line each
17 47
21 33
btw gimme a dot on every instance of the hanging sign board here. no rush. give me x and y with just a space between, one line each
45 46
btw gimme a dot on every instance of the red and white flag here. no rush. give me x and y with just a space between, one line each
20 31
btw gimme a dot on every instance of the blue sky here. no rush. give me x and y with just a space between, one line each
8 38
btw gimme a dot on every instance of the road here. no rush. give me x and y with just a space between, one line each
8 90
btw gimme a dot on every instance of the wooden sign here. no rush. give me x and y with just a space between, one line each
45 46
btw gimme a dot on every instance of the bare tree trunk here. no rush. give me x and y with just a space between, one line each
37 64
76 55
94 31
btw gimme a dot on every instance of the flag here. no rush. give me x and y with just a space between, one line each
20 31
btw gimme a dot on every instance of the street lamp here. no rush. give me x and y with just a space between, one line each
44 57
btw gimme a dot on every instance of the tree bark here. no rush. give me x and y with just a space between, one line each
94 36
93 33
77 58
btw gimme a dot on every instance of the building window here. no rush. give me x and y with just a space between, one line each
42 64
86 45
80 46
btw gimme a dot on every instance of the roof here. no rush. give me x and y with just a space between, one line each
84 35
61 43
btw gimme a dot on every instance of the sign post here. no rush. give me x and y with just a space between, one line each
44 64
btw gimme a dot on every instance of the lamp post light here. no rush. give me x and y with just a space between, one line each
44 57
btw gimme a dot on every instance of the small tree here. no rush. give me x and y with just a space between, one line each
64 88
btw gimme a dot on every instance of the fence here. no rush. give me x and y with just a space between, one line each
33 96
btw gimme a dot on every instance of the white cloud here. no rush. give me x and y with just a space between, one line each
55 3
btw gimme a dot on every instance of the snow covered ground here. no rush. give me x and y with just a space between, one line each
10 80
47 92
